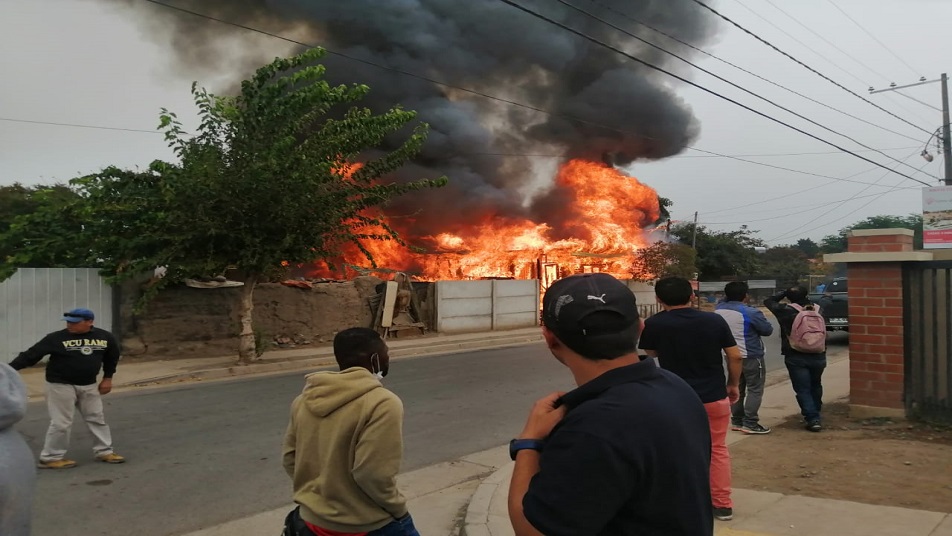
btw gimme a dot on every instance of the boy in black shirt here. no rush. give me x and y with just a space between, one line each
690 343
77 353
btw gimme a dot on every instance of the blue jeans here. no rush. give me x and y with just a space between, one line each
805 374
400 527
294 526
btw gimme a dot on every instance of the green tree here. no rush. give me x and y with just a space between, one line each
809 248
787 264
268 179
837 243
722 253
664 259
39 228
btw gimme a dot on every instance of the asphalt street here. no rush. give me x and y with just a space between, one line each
201 454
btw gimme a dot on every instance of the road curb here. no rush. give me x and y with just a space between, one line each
325 358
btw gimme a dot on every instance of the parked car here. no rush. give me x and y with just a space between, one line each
833 304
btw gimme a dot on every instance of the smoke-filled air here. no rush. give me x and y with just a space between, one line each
523 184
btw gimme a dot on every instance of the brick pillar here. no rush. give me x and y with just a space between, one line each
877 352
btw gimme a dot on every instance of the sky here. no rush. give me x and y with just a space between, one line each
89 62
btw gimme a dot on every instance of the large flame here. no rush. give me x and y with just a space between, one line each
602 218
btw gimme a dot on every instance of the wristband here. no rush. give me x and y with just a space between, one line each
523 444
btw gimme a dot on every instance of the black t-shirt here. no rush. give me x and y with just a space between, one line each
75 359
689 343
631 457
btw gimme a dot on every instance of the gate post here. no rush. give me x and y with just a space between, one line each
877 346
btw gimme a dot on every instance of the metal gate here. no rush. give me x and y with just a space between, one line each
32 303
927 312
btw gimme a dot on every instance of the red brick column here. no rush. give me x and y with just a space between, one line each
876 334
877 351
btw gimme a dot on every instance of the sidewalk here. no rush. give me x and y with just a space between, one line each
138 372
756 513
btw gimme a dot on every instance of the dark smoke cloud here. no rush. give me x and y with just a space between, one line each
490 47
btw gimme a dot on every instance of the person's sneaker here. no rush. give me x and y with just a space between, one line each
112 457
56 464
814 426
755 429
737 427
724 514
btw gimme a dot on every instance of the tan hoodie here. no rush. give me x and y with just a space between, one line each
343 450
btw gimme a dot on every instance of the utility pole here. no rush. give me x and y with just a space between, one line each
694 234
946 137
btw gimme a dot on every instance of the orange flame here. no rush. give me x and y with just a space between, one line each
603 224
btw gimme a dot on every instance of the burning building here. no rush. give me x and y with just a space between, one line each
530 123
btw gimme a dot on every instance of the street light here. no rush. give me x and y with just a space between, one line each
946 136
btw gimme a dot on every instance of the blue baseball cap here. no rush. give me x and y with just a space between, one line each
78 315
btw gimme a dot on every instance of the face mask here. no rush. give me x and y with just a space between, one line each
375 366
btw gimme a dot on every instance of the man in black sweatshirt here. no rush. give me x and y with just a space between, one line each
77 354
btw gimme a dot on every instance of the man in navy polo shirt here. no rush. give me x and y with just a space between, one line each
628 451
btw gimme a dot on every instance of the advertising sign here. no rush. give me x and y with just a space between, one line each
937 217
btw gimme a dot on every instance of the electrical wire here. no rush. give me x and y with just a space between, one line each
794 231
814 206
804 65
696 85
484 95
738 67
76 125
867 32
809 208
826 58
827 41
726 81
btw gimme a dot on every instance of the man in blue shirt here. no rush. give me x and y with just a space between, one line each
748 324
628 451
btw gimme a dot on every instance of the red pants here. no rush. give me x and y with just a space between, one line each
719 416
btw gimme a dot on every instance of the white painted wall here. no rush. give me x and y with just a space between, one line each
33 301
472 306
644 296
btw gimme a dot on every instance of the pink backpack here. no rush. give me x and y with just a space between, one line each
808 334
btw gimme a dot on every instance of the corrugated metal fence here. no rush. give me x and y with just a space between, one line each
32 303
928 331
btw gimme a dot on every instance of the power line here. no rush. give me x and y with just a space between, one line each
499 99
827 41
726 81
798 192
75 125
809 208
867 32
805 66
793 231
825 58
812 206
738 67
814 153
694 84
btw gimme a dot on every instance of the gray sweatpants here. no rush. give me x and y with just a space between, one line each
752 379
62 400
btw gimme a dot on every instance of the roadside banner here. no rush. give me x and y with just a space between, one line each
937 217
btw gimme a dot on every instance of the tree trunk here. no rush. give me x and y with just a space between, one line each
246 339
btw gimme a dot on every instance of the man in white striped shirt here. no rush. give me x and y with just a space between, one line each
748 324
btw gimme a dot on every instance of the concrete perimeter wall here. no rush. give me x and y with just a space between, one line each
470 306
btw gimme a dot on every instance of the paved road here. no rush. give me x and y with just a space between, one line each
203 454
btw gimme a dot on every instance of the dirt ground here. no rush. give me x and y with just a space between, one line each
876 461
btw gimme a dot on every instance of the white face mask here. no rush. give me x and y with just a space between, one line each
375 365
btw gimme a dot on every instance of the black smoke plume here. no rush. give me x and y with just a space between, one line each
603 106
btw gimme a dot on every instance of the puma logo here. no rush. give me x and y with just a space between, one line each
599 298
